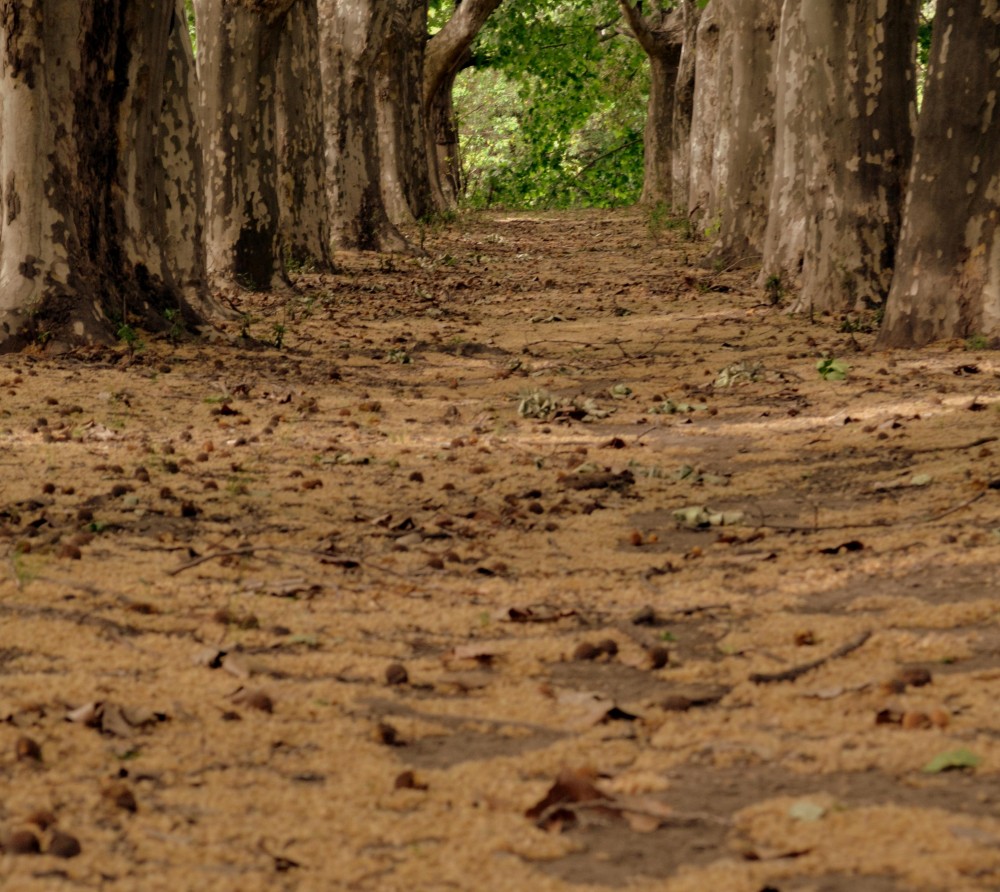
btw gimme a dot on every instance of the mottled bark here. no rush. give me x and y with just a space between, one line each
742 163
406 183
680 132
238 45
352 35
845 120
447 51
661 36
303 227
705 126
947 282
100 199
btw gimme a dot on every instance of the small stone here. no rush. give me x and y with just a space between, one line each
915 677
63 845
407 780
387 735
645 617
805 638
259 700
586 650
940 718
22 842
659 656
608 646
70 552
396 674
677 703
120 796
915 721
27 750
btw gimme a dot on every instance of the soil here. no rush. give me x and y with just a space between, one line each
549 560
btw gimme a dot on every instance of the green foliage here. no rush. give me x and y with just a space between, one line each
553 113
832 369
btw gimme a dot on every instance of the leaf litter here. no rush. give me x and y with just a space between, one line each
221 569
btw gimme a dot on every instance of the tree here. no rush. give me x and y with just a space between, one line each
744 140
238 46
102 215
947 281
352 35
684 87
303 219
447 53
846 93
660 33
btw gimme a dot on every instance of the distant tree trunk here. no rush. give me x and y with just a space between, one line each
947 282
447 52
100 198
846 115
741 171
703 203
661 36
304 229
406 183
352 35
680 131
237 63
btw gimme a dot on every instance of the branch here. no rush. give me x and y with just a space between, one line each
803 668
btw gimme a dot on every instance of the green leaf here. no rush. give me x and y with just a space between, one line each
832 369
951 761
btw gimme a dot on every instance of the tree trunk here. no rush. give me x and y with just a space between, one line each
947 283
680 153
846 113
352 34
406 183
237 64
661 36
304 229
741 172
703 204
447 51
93 237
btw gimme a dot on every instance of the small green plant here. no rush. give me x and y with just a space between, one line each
713 228
175 323
399 355
246 320
775 290
129 337
278 335
977 342
832 369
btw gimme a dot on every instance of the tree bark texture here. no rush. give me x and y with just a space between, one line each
706 132
947 282
238 44
406 180
304 229
661 36
352 35
846 116
680 132
744 147
447 51
100 196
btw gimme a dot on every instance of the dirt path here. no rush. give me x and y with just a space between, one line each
549 504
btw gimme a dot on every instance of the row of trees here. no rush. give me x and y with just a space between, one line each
138 178
791 128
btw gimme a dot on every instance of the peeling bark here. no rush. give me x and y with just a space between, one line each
661 37
352 34
304 230
744 144
92 235
947 283
846 111
238 44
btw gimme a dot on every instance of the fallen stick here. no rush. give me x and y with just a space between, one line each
795 671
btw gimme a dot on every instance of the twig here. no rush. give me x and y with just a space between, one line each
982 441
201 559
795 671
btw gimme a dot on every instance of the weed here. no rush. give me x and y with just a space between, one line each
977 342
660 220
775 290
832 369
130 338
278 335
176 328
399 355
713 228
246 320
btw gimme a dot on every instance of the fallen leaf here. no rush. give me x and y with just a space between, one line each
952 760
